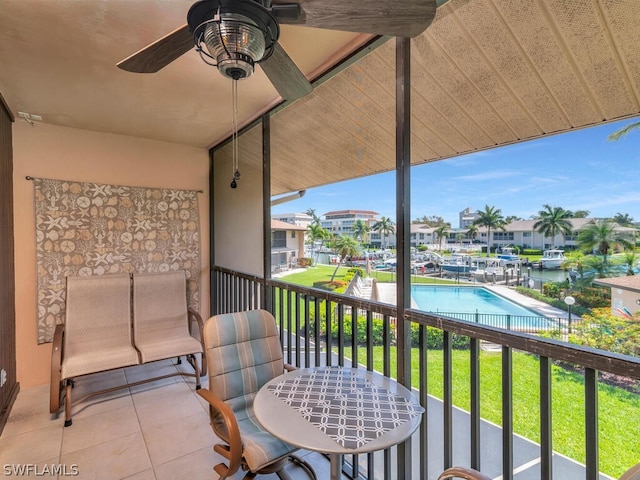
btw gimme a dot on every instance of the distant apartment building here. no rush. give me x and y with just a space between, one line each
520 233
299 219
287 245
467 217
340 222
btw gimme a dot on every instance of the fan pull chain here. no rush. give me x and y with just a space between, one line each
234 135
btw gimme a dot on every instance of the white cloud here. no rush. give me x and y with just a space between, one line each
491 175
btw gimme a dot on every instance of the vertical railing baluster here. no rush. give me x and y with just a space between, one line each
280 308
341 334
369 335
234 294
475 402
369 340
289 328
591 421
546 437
328 315
227 293
317 320
447 394
386 346
297 329
507 414
354 336
424 400
386 371
307 333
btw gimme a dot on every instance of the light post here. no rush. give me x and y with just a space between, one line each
569 300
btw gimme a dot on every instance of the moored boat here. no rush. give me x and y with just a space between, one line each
457 263
553 258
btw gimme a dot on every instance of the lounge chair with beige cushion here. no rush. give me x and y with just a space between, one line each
99 333
161 321
96 335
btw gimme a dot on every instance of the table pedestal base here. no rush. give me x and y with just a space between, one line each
336 466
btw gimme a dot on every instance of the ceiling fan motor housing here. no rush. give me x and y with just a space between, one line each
237 34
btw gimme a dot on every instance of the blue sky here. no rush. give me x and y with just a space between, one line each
580 170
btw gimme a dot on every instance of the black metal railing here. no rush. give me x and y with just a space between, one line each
318 328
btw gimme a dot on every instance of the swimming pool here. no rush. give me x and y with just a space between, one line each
477 304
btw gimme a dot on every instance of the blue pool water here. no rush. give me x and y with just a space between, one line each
465 302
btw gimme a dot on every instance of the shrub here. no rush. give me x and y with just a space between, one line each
347 330
554 302
435 338
593 297
336 286
354 270
601 329
554 289
531 251
305 261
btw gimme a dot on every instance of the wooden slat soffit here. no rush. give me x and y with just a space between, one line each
485 73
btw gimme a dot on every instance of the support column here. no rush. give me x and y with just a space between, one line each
403 228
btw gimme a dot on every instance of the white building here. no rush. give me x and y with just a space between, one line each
340 222
467 217
299 219
287 245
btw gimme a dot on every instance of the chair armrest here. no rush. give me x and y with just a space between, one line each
462 472
56 369
192 314
632 474
234 453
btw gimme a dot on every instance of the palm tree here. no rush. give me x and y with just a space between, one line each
576 260
624 131
490 217
630 259
441 232
316 233
384 226
472 232
623 219
315 219
361 231
346 246
553 220
602 236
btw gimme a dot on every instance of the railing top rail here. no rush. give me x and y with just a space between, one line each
359 303
583 356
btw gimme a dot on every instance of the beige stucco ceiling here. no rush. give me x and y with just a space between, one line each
58 60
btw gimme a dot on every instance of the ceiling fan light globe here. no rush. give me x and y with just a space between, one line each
236 43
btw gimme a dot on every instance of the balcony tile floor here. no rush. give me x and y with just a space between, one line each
158 430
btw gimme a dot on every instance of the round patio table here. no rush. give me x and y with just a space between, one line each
338 411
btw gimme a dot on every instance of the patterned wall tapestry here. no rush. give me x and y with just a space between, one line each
93 229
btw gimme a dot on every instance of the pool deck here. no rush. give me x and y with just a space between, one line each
530 303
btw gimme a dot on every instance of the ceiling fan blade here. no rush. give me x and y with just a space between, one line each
285 75
399 18
160 53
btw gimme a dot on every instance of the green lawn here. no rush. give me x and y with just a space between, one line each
323 272
619 410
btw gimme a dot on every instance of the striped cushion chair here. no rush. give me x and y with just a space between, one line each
462 472
243 353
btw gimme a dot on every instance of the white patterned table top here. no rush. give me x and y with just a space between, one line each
350 406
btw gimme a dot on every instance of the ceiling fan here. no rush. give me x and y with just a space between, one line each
237 34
